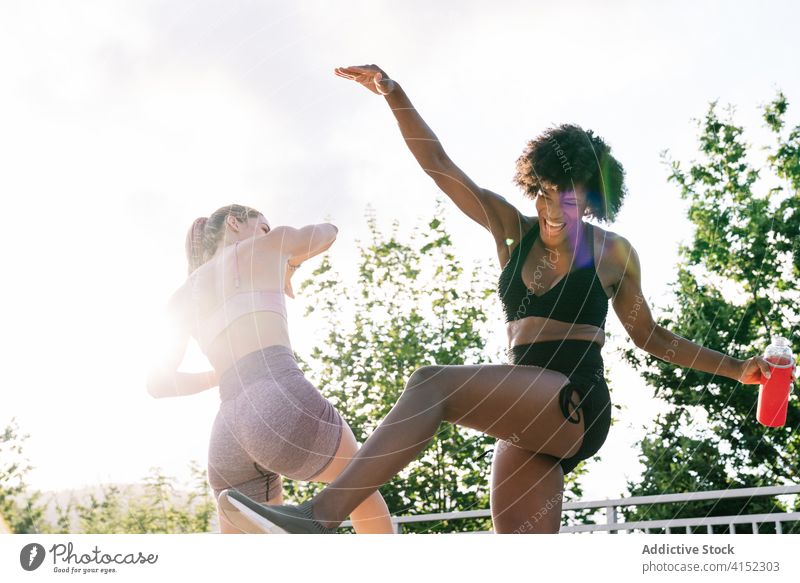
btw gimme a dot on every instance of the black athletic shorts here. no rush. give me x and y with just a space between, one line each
585 395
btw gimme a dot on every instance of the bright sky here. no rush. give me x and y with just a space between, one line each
123 121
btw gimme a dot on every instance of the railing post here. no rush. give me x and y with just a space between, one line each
778 527
611 517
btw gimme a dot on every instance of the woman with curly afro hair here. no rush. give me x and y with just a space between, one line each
549 407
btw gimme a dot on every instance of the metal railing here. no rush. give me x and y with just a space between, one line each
613 525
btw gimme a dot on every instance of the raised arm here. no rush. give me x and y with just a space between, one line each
488 209
301 244
634 313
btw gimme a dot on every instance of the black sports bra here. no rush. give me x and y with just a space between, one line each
577 298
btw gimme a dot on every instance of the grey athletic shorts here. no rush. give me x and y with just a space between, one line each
272 422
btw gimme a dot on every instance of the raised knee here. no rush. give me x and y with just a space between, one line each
423 377
422 384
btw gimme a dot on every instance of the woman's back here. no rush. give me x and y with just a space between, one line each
239 271
234 303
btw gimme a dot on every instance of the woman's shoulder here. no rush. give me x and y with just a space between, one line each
526 225
610 242
613 253
277 238
512 237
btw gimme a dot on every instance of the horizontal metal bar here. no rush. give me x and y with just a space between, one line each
678 522
437 517
633 501
686 497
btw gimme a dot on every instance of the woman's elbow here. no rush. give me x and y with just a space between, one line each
155 385
331 234
154 391
644 336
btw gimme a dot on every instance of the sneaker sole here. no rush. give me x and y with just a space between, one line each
244 518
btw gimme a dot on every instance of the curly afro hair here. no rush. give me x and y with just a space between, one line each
568 155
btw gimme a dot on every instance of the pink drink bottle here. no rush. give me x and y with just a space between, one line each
773 395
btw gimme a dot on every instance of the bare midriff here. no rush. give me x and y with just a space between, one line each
247 334
535 329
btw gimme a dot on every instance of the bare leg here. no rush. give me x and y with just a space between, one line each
518 403
372 515
226 527
527 490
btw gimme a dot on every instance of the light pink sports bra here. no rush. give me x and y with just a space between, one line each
235 306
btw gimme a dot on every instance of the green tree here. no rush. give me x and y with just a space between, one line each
20 509
736 288
413 304
156 506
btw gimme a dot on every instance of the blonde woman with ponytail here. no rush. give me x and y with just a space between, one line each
272 421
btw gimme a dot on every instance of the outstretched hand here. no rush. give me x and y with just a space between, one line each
754 370
370 76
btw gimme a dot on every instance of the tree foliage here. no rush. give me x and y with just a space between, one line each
735 289
156 506
20 512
